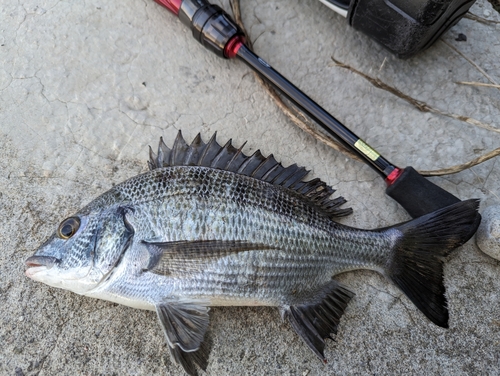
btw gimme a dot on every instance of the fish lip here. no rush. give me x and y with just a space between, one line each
37 262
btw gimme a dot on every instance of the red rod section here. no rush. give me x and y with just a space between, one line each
393 176
171 5
233 46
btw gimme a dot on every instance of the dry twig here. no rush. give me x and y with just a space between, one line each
478 84
419 105
461 167
424 107
472 16
472 62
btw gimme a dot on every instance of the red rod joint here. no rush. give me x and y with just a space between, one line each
171 5
393 176
233 46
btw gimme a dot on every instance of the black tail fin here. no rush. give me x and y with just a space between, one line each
416 265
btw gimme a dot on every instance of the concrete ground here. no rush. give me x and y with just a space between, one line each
86 86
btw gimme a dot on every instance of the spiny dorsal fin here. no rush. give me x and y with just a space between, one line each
260 167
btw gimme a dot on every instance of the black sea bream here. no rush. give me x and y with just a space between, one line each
209 226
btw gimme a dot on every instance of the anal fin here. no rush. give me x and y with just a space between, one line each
315 321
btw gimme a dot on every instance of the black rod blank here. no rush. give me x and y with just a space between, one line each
331 125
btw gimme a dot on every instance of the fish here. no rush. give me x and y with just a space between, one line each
209 226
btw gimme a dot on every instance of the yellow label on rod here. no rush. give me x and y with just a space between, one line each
364 148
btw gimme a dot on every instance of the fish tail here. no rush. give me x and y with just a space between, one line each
416 263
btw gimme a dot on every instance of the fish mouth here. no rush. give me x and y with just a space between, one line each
38 262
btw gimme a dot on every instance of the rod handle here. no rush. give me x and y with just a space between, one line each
417 195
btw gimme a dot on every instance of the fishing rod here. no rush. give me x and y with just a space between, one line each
215 29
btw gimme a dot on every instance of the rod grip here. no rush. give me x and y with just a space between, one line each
417 195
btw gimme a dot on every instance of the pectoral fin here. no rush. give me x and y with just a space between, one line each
187 256
315 320
185 324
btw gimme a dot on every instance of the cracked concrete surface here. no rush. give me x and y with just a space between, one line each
86 86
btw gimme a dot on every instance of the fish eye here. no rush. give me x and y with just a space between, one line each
68 227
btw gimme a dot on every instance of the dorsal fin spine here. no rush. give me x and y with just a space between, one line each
270 171
254 173
207 148
287 179
245 163
233 152
152 159
179 149
235 157
193 149
287 171
297 175
304 173
160 157
171 159
312 186
219 155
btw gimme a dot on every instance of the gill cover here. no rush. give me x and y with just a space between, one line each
112 238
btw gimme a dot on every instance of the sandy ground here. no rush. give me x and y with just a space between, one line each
86 86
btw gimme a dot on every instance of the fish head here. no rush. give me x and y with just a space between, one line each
83 251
